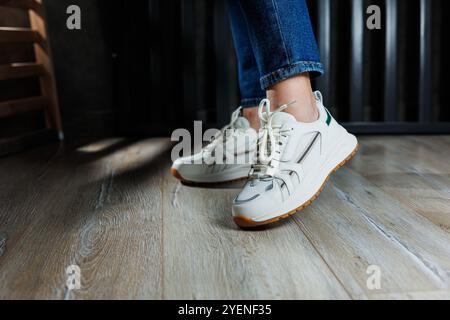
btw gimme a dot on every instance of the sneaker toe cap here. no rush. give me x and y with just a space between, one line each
257 202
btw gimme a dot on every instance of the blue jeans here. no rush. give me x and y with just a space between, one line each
274 41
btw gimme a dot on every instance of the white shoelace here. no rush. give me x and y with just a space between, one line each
269 143
220 138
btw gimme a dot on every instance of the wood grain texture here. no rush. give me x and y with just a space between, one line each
416 172
423 241
112 208
213 259
350 242
88 218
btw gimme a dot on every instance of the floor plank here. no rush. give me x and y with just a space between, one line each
399 172
350 243
96 216
212 258
112 208
423 241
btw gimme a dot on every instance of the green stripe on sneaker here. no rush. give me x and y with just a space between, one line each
328 117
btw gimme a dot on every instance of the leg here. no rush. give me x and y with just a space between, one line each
286 52
294 159
250 88
208 166
297 88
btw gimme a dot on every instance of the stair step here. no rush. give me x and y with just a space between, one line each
23 4
13 107
21 70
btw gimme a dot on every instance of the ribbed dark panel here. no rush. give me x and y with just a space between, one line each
357 68
226 74
176 64
188 59
391 62
425 96
324 42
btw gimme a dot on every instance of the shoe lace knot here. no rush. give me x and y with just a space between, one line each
270 144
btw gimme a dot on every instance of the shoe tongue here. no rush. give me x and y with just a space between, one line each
281 118
241 123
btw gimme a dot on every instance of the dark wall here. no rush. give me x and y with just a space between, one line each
84 67
145 67
142 67
176 64
178 56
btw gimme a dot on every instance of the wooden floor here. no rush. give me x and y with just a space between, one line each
113 209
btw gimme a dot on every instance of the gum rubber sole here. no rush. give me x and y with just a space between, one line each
177 175
244 222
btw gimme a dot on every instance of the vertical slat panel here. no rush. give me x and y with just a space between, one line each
221 74
206 70
425 105
390 80
203 13
226 83
357 51
188 67
324 42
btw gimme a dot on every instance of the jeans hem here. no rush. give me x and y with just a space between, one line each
251 102
314 68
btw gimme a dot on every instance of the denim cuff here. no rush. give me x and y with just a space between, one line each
314 68
251 102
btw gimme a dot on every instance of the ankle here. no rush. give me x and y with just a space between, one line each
296 89
251 114
304 109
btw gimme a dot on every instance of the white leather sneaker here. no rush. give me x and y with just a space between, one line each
293 163
227 158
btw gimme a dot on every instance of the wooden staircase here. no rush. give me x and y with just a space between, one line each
41 68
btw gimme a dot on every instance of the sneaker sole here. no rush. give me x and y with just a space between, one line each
244 222
177 175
